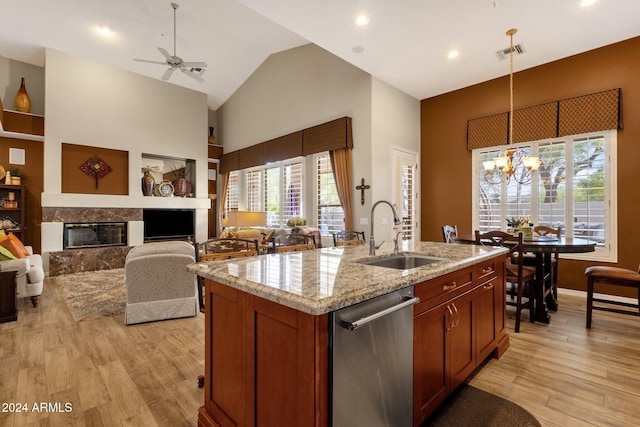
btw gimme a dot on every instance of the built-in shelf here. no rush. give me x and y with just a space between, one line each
18 135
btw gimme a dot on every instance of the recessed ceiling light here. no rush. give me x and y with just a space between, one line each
452 54
585 3
105 31
362 20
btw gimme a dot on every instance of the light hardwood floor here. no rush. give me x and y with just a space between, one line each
145 375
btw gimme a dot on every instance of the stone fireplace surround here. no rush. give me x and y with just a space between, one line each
92 259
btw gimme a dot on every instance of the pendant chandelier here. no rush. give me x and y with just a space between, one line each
514 163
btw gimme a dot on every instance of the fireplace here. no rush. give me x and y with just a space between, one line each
79 235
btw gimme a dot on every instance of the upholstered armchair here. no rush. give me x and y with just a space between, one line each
158 284
29 275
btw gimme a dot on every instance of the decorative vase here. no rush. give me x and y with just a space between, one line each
181 187
212 139
23 102
148 183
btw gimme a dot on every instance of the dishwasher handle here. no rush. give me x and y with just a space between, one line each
352 326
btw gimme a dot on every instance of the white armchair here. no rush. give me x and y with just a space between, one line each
29 277
158 284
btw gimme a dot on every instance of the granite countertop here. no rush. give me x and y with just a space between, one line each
327 279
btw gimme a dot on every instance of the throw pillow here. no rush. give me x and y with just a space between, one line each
15 246
6 254
250 234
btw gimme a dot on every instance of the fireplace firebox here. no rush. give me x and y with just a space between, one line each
94 234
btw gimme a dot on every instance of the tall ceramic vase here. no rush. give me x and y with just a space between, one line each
23 102
148 183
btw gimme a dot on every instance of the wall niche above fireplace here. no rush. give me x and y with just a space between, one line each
171 169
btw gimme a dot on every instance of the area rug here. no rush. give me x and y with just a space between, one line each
93 294
470 406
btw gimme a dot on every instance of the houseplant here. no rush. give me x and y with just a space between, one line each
16 176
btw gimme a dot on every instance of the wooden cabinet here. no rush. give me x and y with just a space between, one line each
8 312
490 316
458 323
265 364
16 214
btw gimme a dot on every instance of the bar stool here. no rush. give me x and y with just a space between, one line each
612 276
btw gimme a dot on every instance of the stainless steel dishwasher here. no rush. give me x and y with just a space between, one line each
372 362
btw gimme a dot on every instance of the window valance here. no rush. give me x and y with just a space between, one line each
583 114
328 136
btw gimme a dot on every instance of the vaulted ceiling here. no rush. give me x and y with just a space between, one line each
405 43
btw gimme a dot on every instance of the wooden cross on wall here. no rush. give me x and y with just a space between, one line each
362 187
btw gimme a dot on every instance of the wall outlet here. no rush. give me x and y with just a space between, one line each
364 221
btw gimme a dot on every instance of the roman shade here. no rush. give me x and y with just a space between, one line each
333 135
588 113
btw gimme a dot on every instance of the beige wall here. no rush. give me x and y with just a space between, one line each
91 104
307 85
446 188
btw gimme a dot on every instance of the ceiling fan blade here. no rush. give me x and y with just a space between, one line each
192 75
195 64
168 73
149 61
165 53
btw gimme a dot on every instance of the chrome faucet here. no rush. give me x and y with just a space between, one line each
372 240
396 249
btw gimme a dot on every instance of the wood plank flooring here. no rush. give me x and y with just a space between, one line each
145 375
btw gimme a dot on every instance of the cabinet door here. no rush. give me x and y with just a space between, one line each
225 361
490 316
430 376
486 318
461 351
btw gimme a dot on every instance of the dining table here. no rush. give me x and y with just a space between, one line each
543 247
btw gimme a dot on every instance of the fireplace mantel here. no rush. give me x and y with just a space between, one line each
113 201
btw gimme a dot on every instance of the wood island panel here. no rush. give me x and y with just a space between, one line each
265 364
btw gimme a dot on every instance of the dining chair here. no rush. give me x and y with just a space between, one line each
450 233
222 248
520 278
611 276
348 238
294 242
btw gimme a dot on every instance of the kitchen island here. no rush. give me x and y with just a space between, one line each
267 349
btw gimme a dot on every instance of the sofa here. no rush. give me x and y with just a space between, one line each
29 275
159 286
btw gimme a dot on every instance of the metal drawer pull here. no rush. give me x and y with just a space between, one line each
451 317
487 270
352 326
488 286
457 316
449 287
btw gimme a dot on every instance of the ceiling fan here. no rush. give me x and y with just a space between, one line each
174 62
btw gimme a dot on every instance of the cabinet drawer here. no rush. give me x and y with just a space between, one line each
440 289
487 270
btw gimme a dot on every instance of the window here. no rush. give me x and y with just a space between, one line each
276 189
233 192
329 212
574 188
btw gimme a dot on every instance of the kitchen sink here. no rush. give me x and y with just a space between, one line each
401 261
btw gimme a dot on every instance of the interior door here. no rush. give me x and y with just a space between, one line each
406 191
